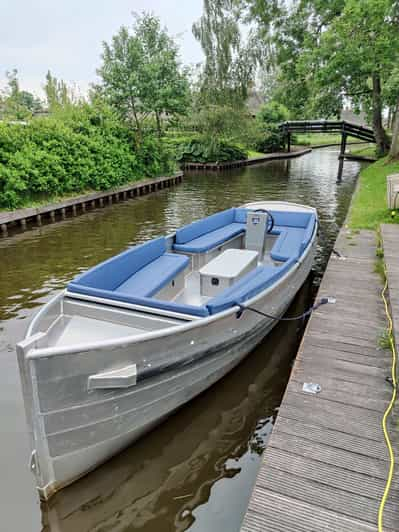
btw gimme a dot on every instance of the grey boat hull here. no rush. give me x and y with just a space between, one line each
73 428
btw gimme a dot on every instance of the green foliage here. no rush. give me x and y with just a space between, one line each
203 151
273 113
272 140
58 95
82 148
17 104
269 118
369 206
230 64
141 75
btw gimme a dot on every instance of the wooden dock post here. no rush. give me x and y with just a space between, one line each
342 156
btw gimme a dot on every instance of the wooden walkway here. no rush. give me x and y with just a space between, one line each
326 463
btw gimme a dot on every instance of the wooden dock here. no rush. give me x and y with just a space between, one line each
326 463
246 162
79 204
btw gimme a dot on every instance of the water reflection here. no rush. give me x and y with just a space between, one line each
162 483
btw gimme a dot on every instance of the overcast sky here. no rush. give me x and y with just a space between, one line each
65 36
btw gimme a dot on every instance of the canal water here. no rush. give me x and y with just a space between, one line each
196 471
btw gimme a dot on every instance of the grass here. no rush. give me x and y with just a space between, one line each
367 150
316 139
369 206
252 153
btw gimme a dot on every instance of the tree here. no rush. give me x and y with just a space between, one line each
57 92
141 75
355 58
391 93
327 52
17 104
230 64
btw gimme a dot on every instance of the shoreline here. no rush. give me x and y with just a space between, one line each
246 162
92 200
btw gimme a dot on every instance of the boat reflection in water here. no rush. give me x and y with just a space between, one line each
157 484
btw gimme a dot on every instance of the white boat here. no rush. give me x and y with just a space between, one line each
134 338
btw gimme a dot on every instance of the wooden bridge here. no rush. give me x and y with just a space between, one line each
346 129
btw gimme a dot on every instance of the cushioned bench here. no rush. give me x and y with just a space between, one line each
292 240
210 232
141 271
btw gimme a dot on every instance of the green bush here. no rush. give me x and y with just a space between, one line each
271 140
81 148
204 151
273 113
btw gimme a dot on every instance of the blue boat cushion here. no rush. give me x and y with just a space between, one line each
248 286
292 218
292 241
139 273
204 226
113 272
135 275
211 240
150 279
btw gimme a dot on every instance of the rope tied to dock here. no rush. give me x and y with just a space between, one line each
322 301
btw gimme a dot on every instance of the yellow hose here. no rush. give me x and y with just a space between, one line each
389 409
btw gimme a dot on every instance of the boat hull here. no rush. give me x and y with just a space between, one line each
74 429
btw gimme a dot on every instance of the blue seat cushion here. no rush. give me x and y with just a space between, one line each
113 272
249 286
288 244
143 301
211 240
150 279
292 241
291 218
204 226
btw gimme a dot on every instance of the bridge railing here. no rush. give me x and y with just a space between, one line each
328 126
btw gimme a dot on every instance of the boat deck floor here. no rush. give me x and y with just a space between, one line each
326 463
94 331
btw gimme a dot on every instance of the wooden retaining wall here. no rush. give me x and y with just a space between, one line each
247 162
80 204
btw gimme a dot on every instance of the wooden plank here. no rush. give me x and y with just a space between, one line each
331 437
326 463
272 512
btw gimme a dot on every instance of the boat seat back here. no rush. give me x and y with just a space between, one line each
211 240
204 226
206 234
292 218
113 272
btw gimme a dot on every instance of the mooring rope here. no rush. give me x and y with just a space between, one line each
322 301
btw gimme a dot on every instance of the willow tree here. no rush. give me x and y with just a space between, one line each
230 62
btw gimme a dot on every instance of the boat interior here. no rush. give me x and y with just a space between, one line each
204 268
